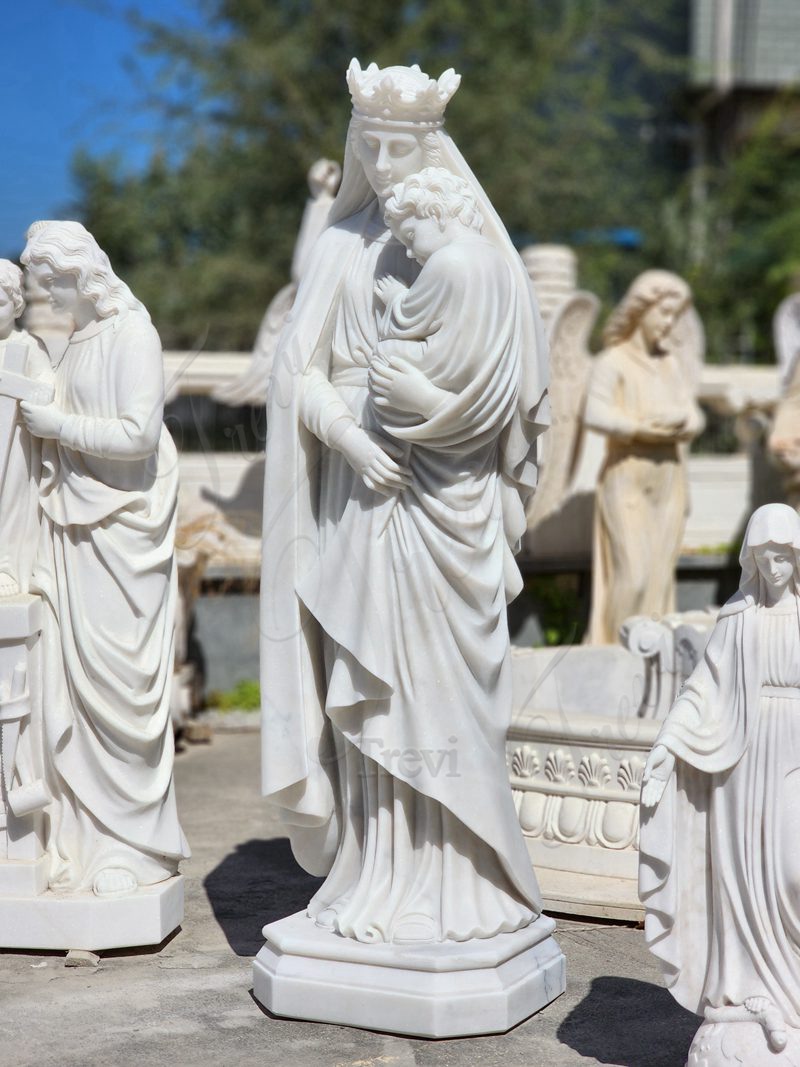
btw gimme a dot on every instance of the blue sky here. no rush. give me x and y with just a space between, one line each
66 83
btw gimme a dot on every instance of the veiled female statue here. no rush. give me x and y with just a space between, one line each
105 570
385 649
719 872
640 398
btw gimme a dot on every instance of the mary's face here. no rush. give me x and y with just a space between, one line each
389 156
658 321
775 564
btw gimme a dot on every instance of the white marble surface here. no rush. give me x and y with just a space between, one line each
60 922
482 986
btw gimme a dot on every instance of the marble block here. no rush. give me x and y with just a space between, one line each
60 921
445 989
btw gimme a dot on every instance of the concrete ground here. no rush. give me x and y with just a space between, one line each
189 1001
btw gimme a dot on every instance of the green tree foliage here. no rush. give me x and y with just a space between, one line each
741 251
566 113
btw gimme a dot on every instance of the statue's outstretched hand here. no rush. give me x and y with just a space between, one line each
660 765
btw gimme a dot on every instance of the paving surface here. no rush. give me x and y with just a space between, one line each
189 1002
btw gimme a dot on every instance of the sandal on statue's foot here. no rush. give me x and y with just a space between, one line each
113 881
415 928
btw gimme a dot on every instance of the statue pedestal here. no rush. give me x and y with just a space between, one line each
68 921
450 989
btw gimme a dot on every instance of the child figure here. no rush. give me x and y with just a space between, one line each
19 465
435 215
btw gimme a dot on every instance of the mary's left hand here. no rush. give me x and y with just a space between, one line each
398 384
42 420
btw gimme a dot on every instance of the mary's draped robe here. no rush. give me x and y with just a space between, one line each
401 604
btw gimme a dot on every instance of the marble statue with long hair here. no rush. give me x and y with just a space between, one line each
641 398
105 571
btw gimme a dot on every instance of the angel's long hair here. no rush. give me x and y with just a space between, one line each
646 290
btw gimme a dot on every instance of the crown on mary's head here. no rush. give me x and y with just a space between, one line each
400 94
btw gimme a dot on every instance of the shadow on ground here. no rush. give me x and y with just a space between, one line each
629 1024
257 883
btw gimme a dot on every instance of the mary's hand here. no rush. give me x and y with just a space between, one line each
42 420
399 385
370 456
660 765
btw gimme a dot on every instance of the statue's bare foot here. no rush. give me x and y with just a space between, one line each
112 881
8 586
415 928
771 1020
326 919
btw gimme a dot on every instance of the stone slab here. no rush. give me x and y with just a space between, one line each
570 893
438 990
61 922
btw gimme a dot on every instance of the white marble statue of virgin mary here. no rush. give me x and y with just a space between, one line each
719 871
385 655
106 572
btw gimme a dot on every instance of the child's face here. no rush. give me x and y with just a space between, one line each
423 237
7 314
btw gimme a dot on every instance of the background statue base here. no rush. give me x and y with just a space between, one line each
64 921
451 989
730 1044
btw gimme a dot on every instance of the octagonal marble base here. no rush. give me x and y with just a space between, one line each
450 989
740 1044
65 921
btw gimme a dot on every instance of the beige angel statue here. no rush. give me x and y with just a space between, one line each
641 398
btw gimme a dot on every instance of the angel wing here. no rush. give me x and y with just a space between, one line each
688 342
251 387
786 336
570 365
